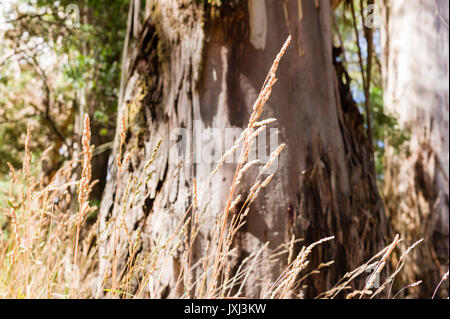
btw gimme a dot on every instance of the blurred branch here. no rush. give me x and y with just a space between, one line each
25 16
17 120
436 10
335 4
341 41
364 80
368 34
58 21
103 148
14 53
47 102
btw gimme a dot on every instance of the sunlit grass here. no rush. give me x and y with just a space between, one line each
47 249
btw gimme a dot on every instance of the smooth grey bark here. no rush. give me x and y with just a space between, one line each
415 80
201 63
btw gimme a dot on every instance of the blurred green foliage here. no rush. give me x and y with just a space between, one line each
84 59
385 128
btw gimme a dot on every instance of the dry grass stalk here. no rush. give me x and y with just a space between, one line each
444 278
83 193
38 258
257 110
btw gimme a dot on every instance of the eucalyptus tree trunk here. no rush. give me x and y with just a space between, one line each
415 79
196 65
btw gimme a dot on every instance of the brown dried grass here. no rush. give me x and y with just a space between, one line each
43 255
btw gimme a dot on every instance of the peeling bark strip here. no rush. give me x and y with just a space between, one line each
415 80
258 23
207 63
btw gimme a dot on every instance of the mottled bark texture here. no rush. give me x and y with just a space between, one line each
197 62
415 79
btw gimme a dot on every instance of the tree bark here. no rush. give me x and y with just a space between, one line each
415 79
198 63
